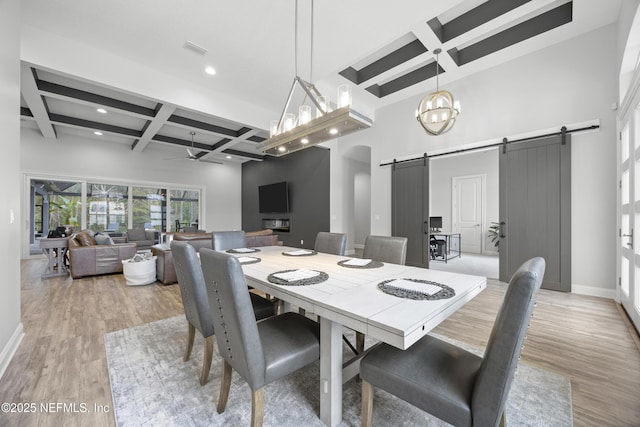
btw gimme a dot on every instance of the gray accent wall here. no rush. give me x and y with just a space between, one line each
307 175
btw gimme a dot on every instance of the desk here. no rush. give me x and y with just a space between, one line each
55 248
447 245
350 298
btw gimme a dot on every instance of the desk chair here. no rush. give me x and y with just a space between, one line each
260 352
196 303
454 385
437 247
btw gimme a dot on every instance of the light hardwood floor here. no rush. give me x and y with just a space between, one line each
62 357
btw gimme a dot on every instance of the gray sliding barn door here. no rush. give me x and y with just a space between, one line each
410 208
535 208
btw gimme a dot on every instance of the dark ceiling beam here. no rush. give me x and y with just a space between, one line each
244 154
409 79
525 30
36 103
89 124
386 63
474 18
181 142
191 123
105 101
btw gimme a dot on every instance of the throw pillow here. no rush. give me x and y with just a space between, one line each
85 239
103 239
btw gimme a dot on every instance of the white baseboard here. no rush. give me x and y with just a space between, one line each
10 349
357 246
350 252
593 291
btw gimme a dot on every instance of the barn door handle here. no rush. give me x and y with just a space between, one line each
630 236
425 227
501 229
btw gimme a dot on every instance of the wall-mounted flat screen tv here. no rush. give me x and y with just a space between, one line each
274 198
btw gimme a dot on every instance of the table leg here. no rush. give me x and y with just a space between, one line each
330 372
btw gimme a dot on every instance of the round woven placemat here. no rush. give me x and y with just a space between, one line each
252 261
311 253
233 251
372 264
303 282
444 293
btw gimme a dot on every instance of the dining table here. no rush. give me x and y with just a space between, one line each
390 303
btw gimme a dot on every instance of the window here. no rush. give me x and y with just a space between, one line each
185 208
107 207
149 208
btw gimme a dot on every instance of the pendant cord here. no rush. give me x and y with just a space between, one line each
311 56
295 38
437 72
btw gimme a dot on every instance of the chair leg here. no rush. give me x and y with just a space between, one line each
191 334
359 342
503 418
225 384
367 404
206 363
257 407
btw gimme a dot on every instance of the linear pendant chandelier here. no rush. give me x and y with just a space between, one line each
290 133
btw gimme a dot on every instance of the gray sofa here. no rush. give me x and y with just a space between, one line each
165 269
88 258
143 239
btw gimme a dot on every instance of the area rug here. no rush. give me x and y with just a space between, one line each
152 386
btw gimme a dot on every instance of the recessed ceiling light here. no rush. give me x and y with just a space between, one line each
229 157
304 140
101 110
333 131
97 133
281 148
210 70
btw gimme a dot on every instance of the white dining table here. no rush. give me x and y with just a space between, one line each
350 297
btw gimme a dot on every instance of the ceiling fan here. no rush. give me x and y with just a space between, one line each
191 155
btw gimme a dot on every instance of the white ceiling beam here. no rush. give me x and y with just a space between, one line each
156 124
35 102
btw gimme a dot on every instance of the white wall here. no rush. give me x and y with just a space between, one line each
10 326
362 204
75 157
442 170
570 82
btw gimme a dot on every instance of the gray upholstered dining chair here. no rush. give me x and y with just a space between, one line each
451 383
390 249
386 249
260 352
223 240
330 243
196 302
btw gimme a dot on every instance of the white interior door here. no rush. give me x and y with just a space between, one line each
629 208
468 208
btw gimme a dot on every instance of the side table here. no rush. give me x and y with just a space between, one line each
55 248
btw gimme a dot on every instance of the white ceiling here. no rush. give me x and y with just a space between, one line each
251 45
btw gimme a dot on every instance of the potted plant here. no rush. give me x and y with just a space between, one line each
494 233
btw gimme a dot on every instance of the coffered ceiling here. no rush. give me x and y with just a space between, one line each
384 49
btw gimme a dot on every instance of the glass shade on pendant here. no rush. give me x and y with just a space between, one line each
273 128
304 114
344 96
325 106
289 122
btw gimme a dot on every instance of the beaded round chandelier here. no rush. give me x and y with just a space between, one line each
437 111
